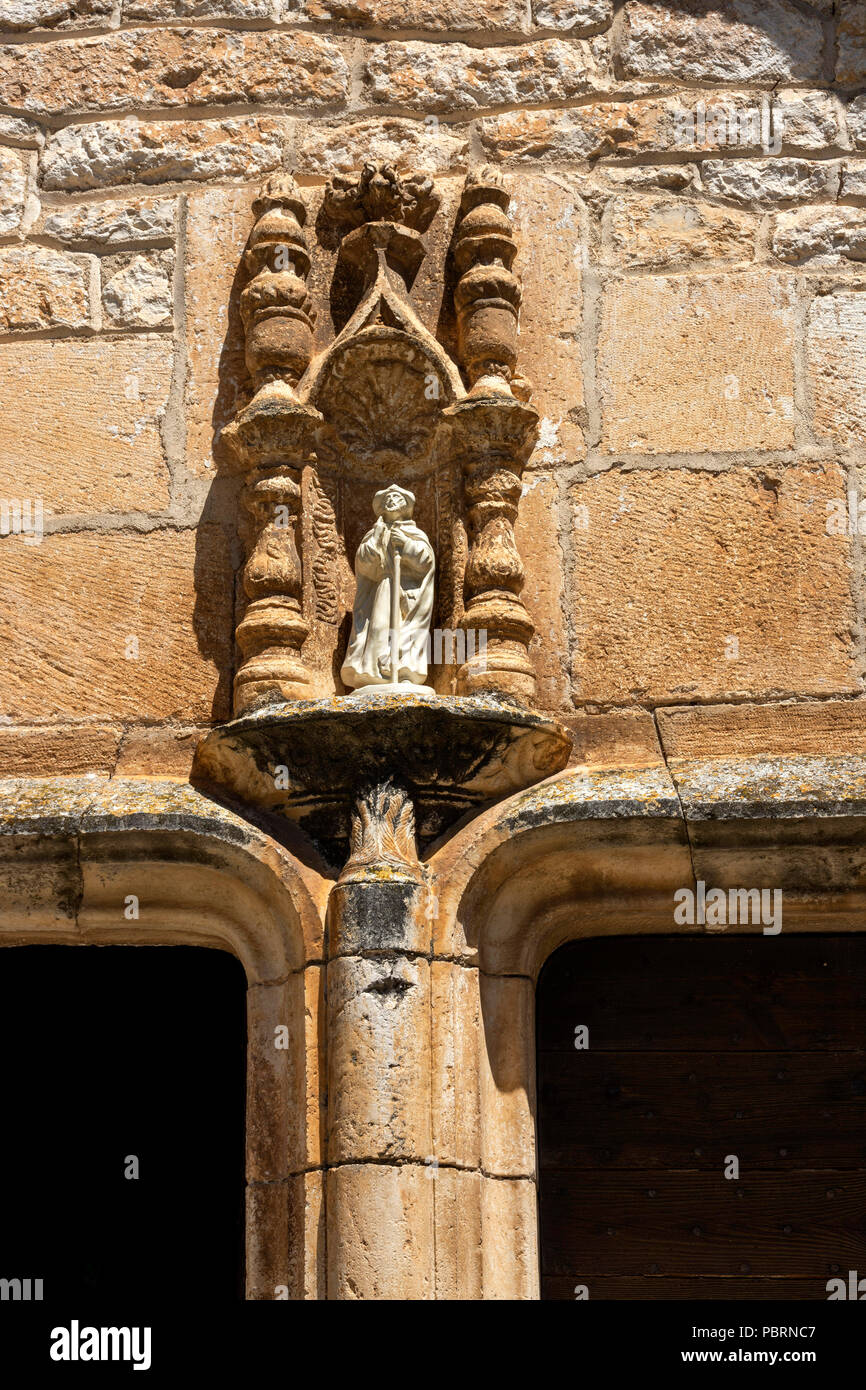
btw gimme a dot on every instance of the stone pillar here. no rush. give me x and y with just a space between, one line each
272 440
380 1199
494 432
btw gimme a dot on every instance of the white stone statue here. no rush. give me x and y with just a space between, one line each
394 569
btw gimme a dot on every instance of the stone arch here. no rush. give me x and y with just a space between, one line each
585 855
202 877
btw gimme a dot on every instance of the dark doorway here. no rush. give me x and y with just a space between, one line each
702 1050
112 1052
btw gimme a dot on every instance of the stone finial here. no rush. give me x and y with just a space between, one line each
488 293
277 311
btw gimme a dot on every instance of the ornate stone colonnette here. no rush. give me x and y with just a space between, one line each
377 740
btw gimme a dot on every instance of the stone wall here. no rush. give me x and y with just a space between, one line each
689 197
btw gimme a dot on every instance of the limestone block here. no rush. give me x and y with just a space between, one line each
455 1061
39 751
577 16
548 223
218 224
742 731
273 1224
208 9
137 290
412 146
380 1232
853 181
448 77
702 121
154 69
459 1253
19 15
855 116
14 171
851 41
536 532
40 288
757 181
450 16
509 1230
507 1077
661 233
142 623
740 591
807 120
274 1120
161 751
17 130
623 738
98 403
111 224
836 338
103 153
715 355
379 1059
741 41
825 236
379 915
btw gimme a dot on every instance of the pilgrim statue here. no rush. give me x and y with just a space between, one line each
394 568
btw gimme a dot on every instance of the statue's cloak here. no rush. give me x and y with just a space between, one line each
368 659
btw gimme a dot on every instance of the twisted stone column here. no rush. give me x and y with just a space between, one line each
494 431
272 440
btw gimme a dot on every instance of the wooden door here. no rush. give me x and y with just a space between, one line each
702 1050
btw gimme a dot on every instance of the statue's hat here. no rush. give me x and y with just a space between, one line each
379 499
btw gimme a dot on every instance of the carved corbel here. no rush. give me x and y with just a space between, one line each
271 441
494 432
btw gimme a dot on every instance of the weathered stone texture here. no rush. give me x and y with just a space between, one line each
665 232
118 152
114 223
40 751
740 41
691 586
218 225
380 1231
548 224
853 181
160 751
71 606
16 130
448 77
209 9
155 68
14 167
536 534
836 346
691 122
826 236
54 14
713 355
578 16
412 146
851 41
809 120
450 16
741 731
94 406
137 290
40 288
753 182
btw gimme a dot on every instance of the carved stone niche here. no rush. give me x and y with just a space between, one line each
382 403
